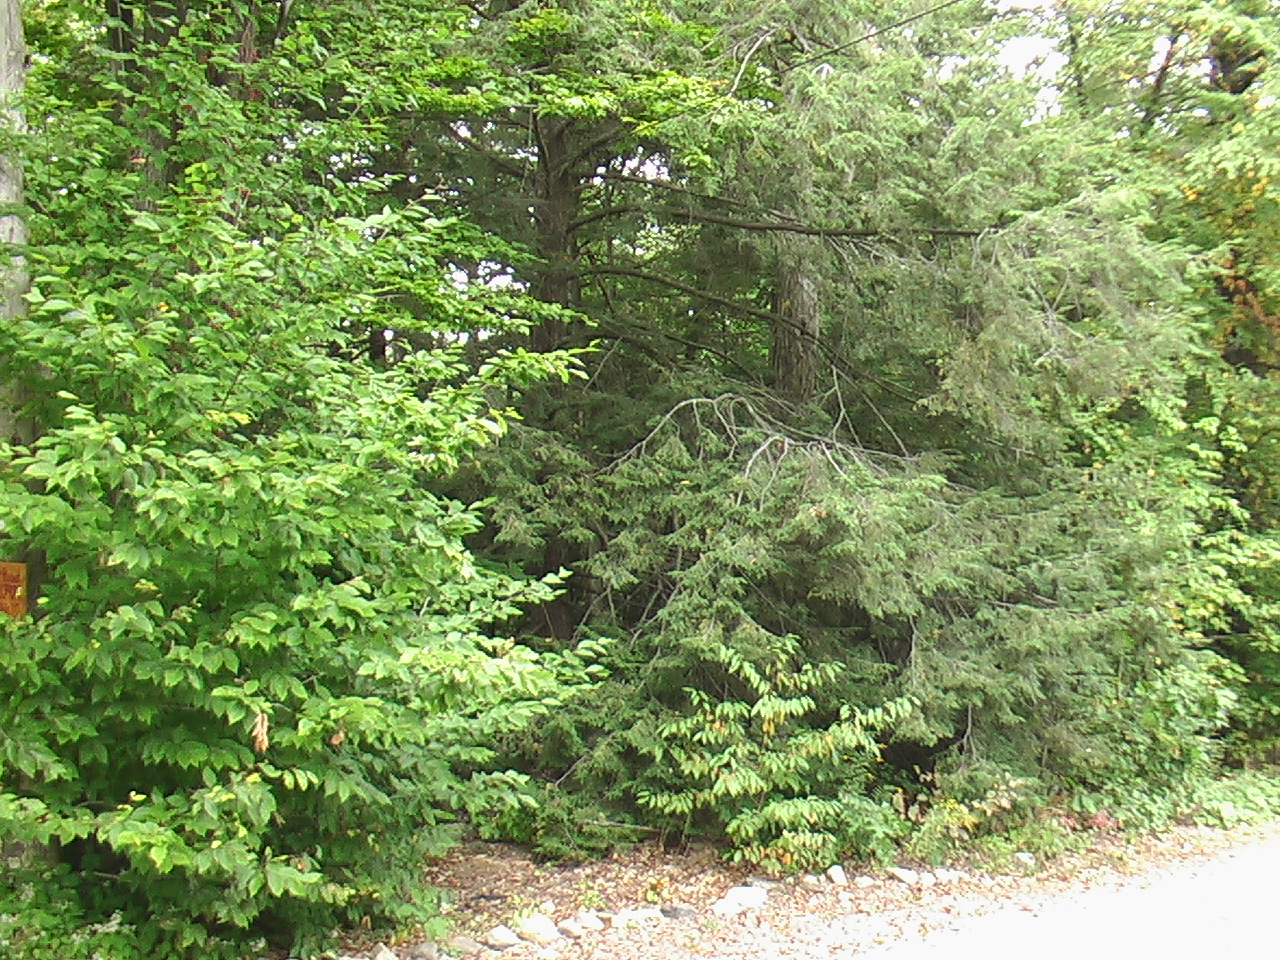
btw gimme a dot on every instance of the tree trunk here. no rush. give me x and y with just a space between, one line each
794 339
556 204
794 349
14 427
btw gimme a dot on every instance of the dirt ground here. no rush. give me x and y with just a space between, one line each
490 884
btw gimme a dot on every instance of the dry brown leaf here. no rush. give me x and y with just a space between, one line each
260 739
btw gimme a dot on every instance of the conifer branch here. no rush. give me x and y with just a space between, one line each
684 288
498 160
781 226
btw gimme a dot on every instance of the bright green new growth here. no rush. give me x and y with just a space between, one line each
262 675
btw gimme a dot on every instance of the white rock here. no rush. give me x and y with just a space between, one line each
762 882
811 881
383 952
739 899
836 874
927 879
547 906
570 928
588 920
539 929
865 882
500 938
909 877
1026 859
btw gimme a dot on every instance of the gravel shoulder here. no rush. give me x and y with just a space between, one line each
1145 887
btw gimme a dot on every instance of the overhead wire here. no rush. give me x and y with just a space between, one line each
868 36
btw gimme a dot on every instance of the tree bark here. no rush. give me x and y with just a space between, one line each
793 352
557 205
796 331
14 426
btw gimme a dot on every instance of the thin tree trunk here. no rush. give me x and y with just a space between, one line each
14 427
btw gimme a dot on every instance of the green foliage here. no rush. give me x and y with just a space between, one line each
950 817
262 676
1243 797
1195 127
1009 494
926 428
41 919
558 825
787 793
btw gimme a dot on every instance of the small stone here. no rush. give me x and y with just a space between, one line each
464 946
426 951
539 929
588 920
678 911
811 881
836 874
909 877
501 937
382 952
865 882
927 879
739 899
762 883
547 906
1024 858
570 928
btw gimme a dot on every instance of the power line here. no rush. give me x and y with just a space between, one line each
874 33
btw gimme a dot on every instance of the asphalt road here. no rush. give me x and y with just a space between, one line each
1223 909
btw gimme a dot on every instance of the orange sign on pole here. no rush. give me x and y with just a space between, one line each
13 589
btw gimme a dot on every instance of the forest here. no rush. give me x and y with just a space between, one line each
822 428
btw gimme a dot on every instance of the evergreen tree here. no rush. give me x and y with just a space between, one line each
892 387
